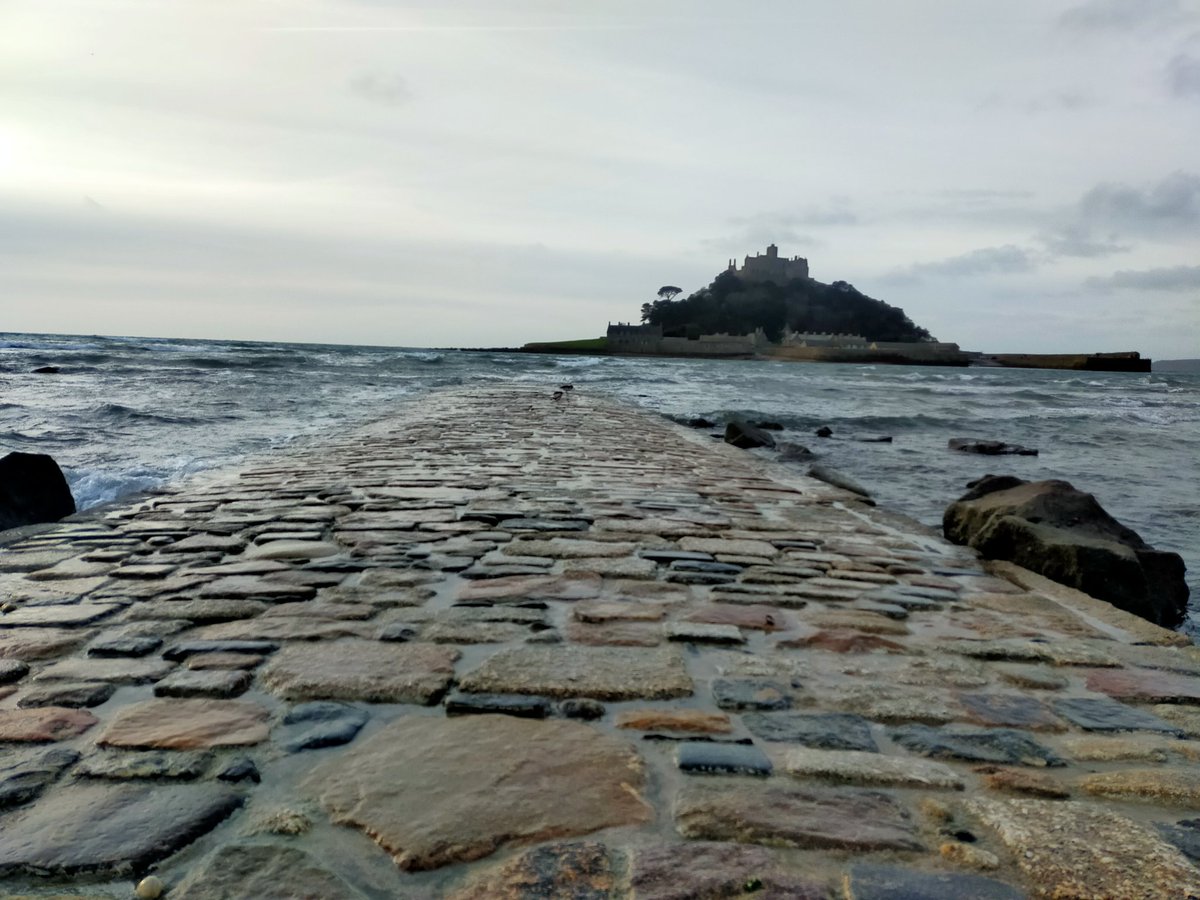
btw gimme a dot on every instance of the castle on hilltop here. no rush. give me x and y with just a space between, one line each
770 267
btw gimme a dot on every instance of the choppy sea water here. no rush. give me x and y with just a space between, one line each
125 415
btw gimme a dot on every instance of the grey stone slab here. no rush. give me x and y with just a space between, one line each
124 645
602 673
166 764
25 778
183 650
711 758
353 669
63 614
70 694
997 745
1185 835
520 705
310 726
203 683
823 731
876 882
751 694
116 671
1103 714
238 872
111 830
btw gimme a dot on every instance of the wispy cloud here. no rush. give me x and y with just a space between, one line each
1008 259
1124 15
1171 278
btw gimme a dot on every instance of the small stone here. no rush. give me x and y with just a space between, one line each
999 745
241 769
12 670
602 673
581 708
1022 781
688 721
823 731
520 705
708 758
513 780
1172 787
203 683
1071 849
125 645
969 856
857 767
751 693
150 888
187 725
1012 710
792 816
69 694
44 724
876 882
1100 714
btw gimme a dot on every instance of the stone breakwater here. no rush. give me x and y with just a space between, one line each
499 646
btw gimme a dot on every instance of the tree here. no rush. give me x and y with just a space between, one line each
646 310
668 291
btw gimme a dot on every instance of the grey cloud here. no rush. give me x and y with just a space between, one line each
1056 101
1172 203
787 229
1078 240
1123 15
1183 76
1006 260
387 90
1172 278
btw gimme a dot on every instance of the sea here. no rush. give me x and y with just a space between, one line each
124 415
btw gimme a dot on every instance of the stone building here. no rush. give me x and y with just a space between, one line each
770 266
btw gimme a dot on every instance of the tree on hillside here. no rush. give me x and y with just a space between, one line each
668 291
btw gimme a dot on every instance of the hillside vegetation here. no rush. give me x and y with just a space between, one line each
735 306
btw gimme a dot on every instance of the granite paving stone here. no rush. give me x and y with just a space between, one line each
686 721
716 869
362 670
203 683
751 694
875 882
601 673
43 724
181 765
65 614
24 778
580 871
1011 710
116 671
858 767
1102 714
1171 787
432 792
997 745
187 724
85 694
823 731
710 758
793 816
264 872
1145 685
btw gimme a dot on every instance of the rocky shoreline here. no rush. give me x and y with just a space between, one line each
492 647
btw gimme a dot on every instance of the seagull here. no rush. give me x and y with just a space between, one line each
566 387
557 395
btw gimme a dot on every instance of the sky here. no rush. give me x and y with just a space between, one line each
1020 176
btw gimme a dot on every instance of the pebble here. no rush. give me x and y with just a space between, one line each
150 888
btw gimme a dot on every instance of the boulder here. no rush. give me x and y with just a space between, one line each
1051 528
795 453
989 448
699 422
769 426
32 490
747 436
824 431
46 370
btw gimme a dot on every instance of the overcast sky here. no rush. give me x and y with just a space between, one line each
1020 176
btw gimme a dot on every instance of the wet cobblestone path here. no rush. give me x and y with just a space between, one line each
505 646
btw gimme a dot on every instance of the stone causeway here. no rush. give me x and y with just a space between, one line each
502 646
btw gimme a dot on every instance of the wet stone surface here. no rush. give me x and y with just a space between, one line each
491 647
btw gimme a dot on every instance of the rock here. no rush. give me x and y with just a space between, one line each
789 816
203 683
174 764
841 640
791 452
25 779
12 670
998 745
32 490
1034 678
44 724
150 888
362 670
602 673
701 633
710 869
46 370
700 422
28 644
989 448
187 725
857 767
769 426
243 661
520 705
111 830
182 651
432 791
1185 835
824 431
88 694
823 731
68 614
837 479
237 872
581 708
114 671
751 693
1101 714
709 758
124 645
874 882
581 871
1071 849
1022 781
745 436
1011 710
523 588
1145 685
241 769
1065 535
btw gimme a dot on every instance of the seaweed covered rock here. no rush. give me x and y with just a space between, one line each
32 490
1064 534
747 436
